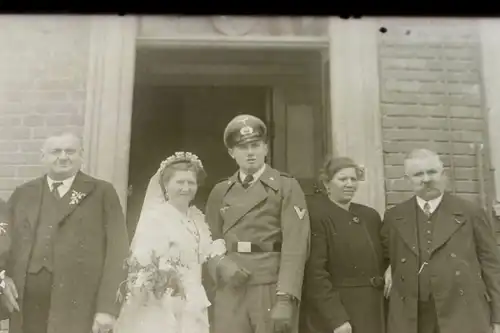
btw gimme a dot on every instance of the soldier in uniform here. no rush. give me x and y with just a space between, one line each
261 214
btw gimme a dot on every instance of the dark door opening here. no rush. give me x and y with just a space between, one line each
167 119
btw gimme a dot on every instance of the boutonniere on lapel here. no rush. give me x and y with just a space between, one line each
223 209
3 231
76 197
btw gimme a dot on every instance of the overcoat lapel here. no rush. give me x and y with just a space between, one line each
235 207
83 186
449 219
34 200
406 225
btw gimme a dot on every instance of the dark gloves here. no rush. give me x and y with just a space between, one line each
230 273
282 313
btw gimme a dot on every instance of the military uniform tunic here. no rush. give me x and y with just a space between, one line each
266 229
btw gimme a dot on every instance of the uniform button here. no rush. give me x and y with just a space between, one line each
429 222
402 278
403 260
461 292
428 232
453 255
428 242
457 273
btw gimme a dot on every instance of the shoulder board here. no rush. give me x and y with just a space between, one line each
287 175
223 180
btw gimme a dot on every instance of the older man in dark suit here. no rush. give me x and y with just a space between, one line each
68 245
445 265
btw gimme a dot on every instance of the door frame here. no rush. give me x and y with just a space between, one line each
111 75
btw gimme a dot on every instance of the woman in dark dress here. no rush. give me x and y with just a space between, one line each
344 284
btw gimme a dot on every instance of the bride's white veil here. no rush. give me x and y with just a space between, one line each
144 239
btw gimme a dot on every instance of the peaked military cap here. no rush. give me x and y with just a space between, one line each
244 128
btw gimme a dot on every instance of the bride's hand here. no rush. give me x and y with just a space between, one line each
174 283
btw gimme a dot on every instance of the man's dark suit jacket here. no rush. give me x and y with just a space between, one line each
464 267
89 252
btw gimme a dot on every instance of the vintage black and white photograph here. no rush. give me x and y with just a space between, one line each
249 174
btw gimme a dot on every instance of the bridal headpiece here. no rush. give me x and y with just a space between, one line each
181 156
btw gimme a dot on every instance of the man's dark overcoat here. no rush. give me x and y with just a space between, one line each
89 252
464 267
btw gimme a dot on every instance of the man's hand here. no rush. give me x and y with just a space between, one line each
388 282
9 295
344 328
495 328
231 273
282 314
103 323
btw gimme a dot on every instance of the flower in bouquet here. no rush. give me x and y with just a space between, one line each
159 276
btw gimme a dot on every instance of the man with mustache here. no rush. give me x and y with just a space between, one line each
445 265
261 214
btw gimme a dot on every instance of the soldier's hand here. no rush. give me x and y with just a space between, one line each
231 273
282 314
344 328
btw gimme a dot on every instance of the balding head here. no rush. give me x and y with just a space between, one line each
69 136
424 170
62 155
422 154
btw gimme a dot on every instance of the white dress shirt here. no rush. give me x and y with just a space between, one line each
434 203
64 187
256 175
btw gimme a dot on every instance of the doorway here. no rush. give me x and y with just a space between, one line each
167 119
184 98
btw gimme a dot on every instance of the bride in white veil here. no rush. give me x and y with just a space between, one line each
164 291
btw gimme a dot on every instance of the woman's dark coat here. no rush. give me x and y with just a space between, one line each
344 275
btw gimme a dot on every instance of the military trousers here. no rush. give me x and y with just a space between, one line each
36 301
244 310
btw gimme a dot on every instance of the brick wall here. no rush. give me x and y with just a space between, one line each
431 98
43 68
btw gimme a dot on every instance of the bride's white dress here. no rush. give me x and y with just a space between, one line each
173 236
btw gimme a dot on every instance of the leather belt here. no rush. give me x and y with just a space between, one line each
249 247
376 282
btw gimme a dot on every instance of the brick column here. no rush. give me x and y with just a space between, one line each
355 106
490 49
108 109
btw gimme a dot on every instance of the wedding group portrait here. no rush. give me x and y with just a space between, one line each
258 174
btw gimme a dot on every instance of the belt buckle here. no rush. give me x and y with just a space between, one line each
244 247
377 281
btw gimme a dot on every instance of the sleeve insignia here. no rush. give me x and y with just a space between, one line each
300 212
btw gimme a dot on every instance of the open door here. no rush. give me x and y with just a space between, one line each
299 129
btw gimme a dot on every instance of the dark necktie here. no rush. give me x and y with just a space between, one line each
427 209
55 192
246 182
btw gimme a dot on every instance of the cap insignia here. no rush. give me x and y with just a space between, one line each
246 130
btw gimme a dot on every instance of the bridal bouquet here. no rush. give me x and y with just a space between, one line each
158 277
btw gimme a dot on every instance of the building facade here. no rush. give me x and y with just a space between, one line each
371 89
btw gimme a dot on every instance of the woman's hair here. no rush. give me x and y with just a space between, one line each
332 165
167 173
